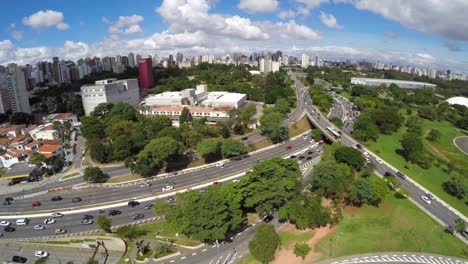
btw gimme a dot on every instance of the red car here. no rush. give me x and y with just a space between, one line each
321 142
215 183
36 204
289 147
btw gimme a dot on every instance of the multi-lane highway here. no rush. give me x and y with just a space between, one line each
437 209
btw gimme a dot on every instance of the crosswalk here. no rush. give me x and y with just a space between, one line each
402 258
306 167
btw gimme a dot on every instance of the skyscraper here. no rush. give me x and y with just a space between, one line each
131 60
16 87
305 61
317 62
145 72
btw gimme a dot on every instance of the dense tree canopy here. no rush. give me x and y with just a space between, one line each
305 212
232 148
264 244
210 149
350 156
156 154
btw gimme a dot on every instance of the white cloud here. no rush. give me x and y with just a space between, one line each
125 25
447 18
391 34
329 20
291 30
312 3
258 6
286 14
17 34
44 19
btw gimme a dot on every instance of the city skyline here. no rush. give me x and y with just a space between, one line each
353 29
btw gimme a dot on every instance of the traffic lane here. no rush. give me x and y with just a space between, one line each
72 224
56 254
93 195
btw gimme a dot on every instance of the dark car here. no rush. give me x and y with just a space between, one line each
76 199
9 199
301 157
9 229
19 259
138 216
268 218
309 158
292 157
6 203
388 174
401 175
148 206
170 199
133 203
114 212
56 198
244 138
88 217
358 146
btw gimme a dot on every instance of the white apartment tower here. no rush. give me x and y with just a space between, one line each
305 61
131 60
110 91
15 90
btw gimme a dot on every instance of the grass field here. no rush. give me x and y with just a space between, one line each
396 225
261 144
432 179
299 127
3 170
163 229
288 238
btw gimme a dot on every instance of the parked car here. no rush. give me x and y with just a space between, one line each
19 259
41 254
49 221
5 223
76 199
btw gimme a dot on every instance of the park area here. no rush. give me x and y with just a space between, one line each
443 150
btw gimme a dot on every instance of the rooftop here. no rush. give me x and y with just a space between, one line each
391 80
18 169
48 148
459 100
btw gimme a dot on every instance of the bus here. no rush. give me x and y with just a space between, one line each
333 132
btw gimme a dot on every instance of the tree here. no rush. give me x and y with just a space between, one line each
369 191
129 232
104 223
185 116
92 127
20 118
156 154
301 250
264 244
331 179
232 148
336 121
37 158
412 146
350 156
271 125
282 106
317 134
387 119
154 125
460 226
393 182
434 135
238 129
210 149
305 212
456 186
271 182
207 217
92 261
93 174
101 151
225 133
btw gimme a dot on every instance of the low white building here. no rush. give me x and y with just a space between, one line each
46 132
175 112
387 82
62 117
110 91
224 100
459 100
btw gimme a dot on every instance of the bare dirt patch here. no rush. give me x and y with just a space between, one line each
287 256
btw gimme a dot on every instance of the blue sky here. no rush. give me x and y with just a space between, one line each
414 32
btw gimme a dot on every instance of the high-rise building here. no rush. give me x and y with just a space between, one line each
317 62
305 61
131 60
275 66
55 70
110 91
145 73
15 83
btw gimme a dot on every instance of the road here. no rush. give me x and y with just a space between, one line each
384 258
437 209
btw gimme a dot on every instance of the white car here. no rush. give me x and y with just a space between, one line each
426 199
379 160
5 223
49 221
39 227
41 254
167 188
366 154
145 184
220 164
57 215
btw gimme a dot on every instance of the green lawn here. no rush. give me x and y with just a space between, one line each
396 225
125 178
167 231
299 127
70 175
3 170
433 178
287 238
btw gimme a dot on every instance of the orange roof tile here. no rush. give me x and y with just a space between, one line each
32 144
48 148
19 138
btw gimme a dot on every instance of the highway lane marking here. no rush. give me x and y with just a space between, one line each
204 250
172 261
194 254
227 258
211 261
183 257
213 246
253 225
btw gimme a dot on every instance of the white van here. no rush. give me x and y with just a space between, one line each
22 222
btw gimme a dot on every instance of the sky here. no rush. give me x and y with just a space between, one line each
426 33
